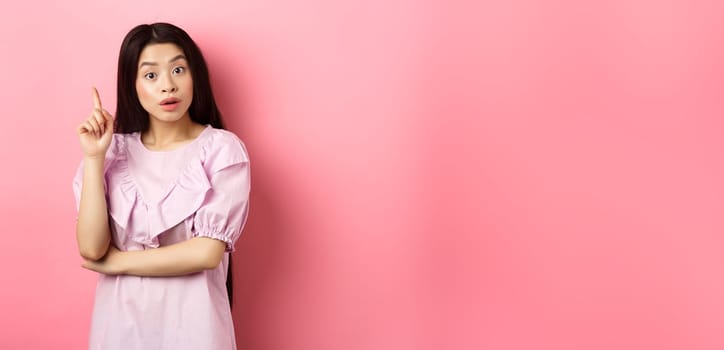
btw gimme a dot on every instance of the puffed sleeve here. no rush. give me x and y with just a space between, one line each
223 214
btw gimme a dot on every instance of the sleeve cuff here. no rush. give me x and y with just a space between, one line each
218 236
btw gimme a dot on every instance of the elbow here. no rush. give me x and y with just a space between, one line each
91 248
92 254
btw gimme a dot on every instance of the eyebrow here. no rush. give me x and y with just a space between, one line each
179 57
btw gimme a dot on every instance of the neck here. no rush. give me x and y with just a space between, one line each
161 133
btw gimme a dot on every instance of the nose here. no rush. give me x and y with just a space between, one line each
169 88
169 85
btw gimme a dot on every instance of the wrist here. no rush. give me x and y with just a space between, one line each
120 266
116 261
95 158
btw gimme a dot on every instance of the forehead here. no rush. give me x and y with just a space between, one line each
159 53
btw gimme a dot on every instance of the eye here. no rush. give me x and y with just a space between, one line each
150 75
179 70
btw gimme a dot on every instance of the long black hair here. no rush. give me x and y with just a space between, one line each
130 115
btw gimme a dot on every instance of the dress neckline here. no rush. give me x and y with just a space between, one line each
137 137
168 188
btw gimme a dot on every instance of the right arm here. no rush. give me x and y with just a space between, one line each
93 230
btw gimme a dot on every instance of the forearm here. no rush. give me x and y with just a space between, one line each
183 258
92 229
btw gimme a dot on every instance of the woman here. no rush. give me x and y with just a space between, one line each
162 195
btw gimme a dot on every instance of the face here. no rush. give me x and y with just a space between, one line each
164 83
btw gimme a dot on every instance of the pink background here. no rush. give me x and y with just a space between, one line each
427 174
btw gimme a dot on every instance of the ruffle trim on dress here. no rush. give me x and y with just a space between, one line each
185 195
121 192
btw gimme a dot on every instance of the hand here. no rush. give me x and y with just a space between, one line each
96 132
110 264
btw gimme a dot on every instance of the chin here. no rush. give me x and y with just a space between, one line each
167 117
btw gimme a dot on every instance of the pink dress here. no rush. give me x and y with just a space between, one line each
157 198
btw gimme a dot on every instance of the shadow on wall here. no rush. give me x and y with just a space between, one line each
259 264
259 260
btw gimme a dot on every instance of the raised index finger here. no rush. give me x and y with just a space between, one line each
96 99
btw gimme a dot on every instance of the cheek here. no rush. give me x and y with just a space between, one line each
188 88
142 91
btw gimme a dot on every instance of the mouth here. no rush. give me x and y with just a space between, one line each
170 103
170 100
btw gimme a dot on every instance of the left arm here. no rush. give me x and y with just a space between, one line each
183 258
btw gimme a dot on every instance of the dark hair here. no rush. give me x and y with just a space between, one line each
130 115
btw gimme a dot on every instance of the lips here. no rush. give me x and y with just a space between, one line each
169 104
168 101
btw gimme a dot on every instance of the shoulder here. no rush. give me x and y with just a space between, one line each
118 145
225 141
223 148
